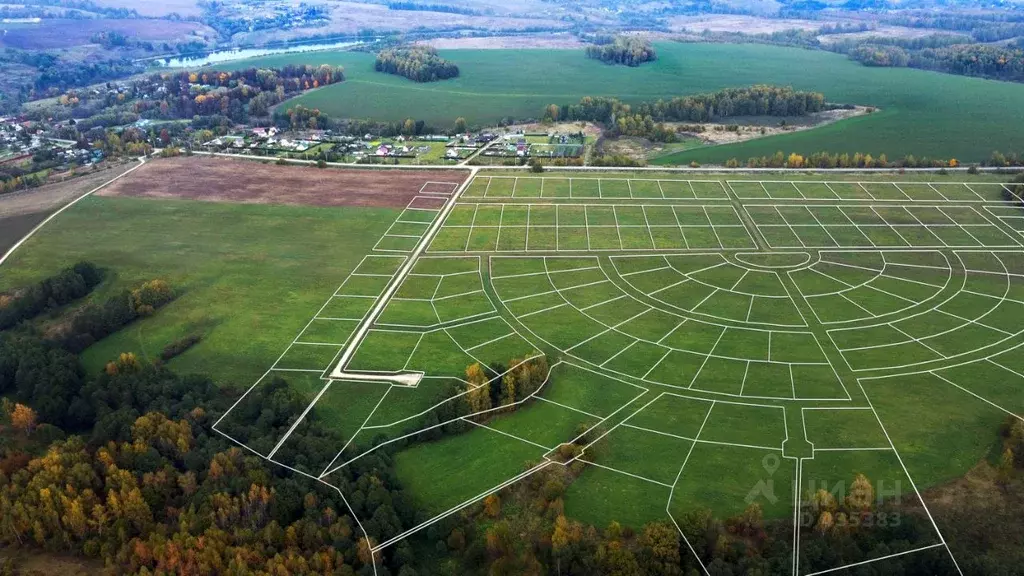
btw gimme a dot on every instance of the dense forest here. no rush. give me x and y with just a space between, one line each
628 50
417 63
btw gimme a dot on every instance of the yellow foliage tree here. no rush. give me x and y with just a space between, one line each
478 398
862 494
126 363
825 521
492 505
23 418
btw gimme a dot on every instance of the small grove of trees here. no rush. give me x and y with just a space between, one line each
1015 191
516 384
66 286
98 320
417 63
627 50
873 55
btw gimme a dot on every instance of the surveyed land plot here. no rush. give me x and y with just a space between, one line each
587 227
877 226
764 333
897 192
594 187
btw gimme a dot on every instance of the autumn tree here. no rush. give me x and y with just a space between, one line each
659 550
460 125
478 397
23 418
861 496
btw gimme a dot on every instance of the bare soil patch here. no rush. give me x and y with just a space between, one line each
588 128
250 182
52 196
759 127
14 228
65 33
747 128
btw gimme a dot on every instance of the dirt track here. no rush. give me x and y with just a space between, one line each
226 180
54 195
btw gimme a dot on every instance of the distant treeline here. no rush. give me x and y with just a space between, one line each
446 8
826 160
417 63
628 50
980 27
1003 63
67 285
959 54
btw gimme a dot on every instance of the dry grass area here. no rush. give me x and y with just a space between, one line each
750 129
552 41
744 24
251 182
24 562
151 8
758 25
715 132
351 17
588 128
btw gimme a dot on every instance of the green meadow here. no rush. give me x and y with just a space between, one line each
248 277
921 113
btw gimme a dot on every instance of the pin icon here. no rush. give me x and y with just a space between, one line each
770 463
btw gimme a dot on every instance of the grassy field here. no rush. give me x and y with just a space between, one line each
922 113
249 276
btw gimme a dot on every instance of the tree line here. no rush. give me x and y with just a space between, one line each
446 8
951 53
646 119
417 63
826 160
50 293
626 50
997 62
760 100
238 95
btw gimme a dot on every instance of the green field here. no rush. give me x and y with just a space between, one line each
248 276
922 113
